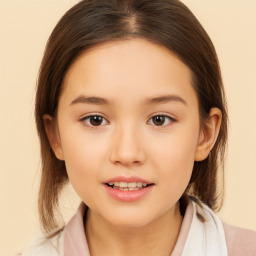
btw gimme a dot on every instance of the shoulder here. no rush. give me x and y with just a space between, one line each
240 241
50 246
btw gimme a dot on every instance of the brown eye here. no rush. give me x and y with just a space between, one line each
94 120
161 120
158 120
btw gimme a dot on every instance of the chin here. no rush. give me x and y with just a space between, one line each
130 218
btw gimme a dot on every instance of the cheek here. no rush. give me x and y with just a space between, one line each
83 156
80 146
174 158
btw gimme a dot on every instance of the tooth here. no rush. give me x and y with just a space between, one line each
111 183
132 185
139 184
123 184
125 189
144 184
134 189
117 184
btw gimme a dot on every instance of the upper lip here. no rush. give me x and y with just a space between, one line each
128 179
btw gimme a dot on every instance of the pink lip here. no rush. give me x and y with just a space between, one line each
128 196
128 179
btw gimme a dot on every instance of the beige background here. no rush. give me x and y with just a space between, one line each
24 28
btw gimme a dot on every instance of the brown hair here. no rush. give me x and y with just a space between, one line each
166 22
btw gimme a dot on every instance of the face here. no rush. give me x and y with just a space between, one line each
128 130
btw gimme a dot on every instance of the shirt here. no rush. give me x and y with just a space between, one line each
72 240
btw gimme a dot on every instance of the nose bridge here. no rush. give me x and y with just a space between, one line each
127 145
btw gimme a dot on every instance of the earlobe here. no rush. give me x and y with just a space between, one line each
208 134
53 136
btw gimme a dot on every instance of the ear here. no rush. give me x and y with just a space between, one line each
53 136
208 134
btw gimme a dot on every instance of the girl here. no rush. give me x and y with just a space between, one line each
130 109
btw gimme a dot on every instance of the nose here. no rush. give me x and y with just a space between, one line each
127 147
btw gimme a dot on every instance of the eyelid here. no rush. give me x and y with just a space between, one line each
92 115
172 119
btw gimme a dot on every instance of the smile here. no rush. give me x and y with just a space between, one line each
127 186
128 189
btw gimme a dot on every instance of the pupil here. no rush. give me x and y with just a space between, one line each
158 120
96 120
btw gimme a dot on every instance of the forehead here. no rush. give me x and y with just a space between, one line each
133 68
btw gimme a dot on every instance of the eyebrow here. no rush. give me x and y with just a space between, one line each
165 99
90 100
149 101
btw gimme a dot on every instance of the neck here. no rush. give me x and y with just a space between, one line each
156 238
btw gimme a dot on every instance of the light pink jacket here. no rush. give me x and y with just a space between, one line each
72 240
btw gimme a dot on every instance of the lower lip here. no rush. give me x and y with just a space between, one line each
128 196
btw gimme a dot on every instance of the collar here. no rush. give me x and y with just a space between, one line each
75 242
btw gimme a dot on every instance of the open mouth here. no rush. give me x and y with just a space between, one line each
128 186
128 189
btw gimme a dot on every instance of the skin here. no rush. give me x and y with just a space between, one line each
129 142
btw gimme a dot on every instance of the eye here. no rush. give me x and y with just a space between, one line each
94 120
161 120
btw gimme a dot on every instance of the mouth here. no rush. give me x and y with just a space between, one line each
128 189
128 186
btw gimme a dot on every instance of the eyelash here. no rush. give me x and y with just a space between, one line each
84 119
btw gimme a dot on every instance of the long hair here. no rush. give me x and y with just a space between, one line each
165 22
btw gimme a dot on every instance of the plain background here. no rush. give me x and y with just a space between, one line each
24 28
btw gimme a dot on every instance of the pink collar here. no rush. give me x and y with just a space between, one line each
75 242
